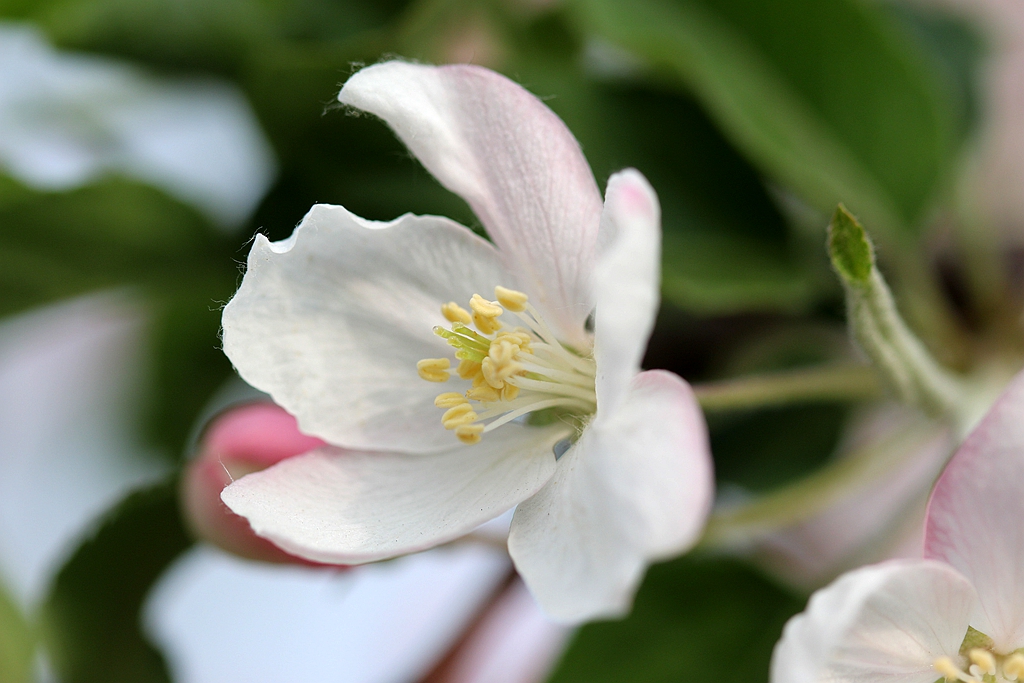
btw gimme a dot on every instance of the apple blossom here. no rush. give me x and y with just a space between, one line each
957 614
351 325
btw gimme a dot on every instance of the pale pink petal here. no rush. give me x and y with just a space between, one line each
636 487
332 321
351 507
626 283
515 163
976 517
886 623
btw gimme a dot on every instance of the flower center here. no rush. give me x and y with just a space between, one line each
513 371
985 667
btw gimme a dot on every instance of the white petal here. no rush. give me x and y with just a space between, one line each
332 321
349 507
885 622
626 283
512 159
635 488
976 517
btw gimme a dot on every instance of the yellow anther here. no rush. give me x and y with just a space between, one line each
434 369
984 660
455 313
485 393
468 369
482 306
450 400
510 392
1013 667
946 667
510 299
485 324
469 434
457 416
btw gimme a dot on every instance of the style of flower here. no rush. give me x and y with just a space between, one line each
957 614
352 325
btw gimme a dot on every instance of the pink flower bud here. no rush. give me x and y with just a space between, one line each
237 442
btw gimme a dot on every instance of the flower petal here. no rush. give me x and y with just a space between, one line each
626 283
636 487
332 321
975 517
352 507
884 622
512 159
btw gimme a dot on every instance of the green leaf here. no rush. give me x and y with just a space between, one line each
726 247
188 363
708 272
828 97
110 234
694 618
205 35
90 619
17 642
767 448
851 251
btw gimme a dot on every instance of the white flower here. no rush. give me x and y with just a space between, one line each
907 621
344 321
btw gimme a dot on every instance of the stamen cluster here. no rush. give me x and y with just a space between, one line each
513 371
985 666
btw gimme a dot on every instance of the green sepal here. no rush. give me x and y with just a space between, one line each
973 639
849 247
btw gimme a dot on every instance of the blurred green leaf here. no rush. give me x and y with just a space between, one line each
114 233
827 96
764 449
709 272
17 642
90 619
188 363
200 35
726 246
693 618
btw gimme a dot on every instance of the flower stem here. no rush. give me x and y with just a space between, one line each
902 361
827 383
736 524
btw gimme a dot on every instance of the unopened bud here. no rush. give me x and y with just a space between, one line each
240 441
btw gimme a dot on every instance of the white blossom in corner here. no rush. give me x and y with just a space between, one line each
353 325
957 614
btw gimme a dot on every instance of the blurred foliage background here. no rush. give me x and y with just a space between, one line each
751 118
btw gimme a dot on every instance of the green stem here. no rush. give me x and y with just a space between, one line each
736 525
827 383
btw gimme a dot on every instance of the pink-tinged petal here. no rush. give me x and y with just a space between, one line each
242 440
332 321
626 283
976 517
351 507
636 487
512 160
885 622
